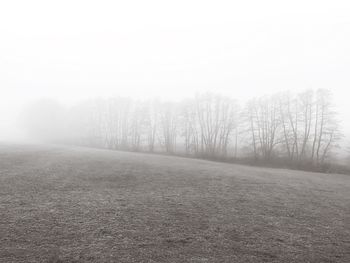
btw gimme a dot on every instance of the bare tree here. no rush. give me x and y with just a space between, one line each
264 125
151 123
327 132
169 123
217 118
306 108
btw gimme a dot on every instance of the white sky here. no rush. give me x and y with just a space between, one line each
71 50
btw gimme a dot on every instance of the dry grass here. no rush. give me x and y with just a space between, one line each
60 204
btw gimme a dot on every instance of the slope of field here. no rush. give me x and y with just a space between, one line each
61 204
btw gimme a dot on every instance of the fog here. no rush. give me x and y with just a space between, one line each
174 131
70 51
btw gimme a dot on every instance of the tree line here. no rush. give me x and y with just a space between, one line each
302 128
201 126
298 128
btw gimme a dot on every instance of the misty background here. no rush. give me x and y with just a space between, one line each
72 51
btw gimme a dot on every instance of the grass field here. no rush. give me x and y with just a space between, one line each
62 204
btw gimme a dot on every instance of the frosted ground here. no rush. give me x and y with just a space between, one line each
66 204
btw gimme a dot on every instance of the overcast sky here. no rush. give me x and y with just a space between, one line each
71 50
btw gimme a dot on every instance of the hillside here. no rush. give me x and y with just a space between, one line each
63 204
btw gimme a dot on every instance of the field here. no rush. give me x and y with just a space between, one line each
71 204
